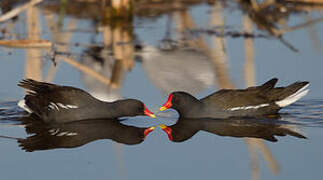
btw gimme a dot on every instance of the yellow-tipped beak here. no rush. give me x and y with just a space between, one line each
162 126
152 116
148 130
167 130
149 113
168 104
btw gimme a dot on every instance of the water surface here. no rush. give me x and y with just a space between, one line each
197 47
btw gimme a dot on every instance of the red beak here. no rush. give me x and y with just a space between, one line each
167 130
148 130
168 104
149 113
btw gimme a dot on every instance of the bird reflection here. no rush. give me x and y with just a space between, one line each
266 129
70 135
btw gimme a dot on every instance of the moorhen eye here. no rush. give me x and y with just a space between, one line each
176 99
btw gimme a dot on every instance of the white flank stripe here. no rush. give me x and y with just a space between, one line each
22 104
71 106
248 107
53 131
54 106
51 107
62 105
71 134
62 134
292 98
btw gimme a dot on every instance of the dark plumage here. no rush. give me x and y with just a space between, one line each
251 102
74 134
54 103
266 129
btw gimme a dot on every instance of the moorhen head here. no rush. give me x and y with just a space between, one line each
182 102
133 107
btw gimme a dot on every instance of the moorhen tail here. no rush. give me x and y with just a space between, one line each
74 134
266 129
254 101
60 104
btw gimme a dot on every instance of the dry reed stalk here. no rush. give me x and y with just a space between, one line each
26 43
14 12
57 36
107 35
117 73
120 159
33 68
254 160
313 35
121 8
119 64
268 156
128 51
249 51
219 56
87 70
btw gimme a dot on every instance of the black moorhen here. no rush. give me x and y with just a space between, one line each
266 129
74 134
60 104
251 102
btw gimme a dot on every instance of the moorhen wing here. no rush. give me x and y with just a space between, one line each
47 136
266 129
250 102
60 104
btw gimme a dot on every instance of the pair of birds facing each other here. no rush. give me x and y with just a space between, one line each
62 104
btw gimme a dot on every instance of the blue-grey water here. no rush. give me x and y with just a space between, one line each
150 76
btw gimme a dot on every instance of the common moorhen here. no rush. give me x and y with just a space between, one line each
266 129
55 103
251 102
47 136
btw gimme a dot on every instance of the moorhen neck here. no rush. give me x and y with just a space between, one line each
254 101
60 104
267 129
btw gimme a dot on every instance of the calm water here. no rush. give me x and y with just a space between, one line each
197 48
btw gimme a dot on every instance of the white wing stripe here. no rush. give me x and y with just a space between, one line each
54 106
248 107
